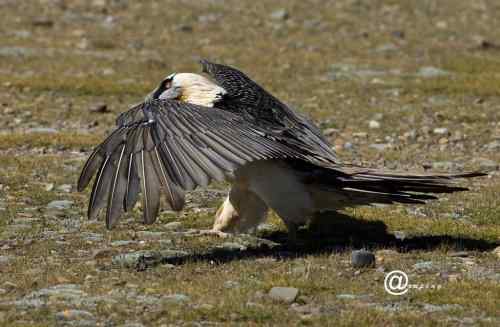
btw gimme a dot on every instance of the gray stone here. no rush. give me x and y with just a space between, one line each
131 260
4 259
496 251
284 294
64 188
92 237
72 315
146 235
441 131
495 145
122 243
280 14
232 246
379 146
373 124
231 284
47 130
442 307
423 265
60 204
352 297
486 164
362 258
429 72
174 225
443 165
176 298
388 47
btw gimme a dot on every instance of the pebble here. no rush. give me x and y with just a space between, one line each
176 298
64 188
99 108
362 258
486 164
495 145
373 124
232 246
47 130
441 131
280 14
4 259
424 265
429 72
284 294
80 315
496 251
379 146
60 204
174 225
146 235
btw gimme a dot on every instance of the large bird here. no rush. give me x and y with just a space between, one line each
194 129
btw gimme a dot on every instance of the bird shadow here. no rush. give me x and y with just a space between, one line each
328 232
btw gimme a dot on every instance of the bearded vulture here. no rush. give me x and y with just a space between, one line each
194 129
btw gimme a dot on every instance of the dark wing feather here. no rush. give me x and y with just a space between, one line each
164 146
249 100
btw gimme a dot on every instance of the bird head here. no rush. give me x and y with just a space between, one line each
190 88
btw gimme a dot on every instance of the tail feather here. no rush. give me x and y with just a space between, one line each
336 188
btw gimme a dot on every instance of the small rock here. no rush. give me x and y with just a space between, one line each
47 130
4 259
424 265
72 315
284 294
330 131
146 235
379 146
443 307
362 258
100 108
49 187
373 124
280 14
348 146
43 22
441 131
429 72
121 243
231 284
486 164
60 204
495 145
64 188
232 246
443 165
351 296
174 225
176 298
496 251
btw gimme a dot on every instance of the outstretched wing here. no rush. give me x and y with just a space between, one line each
248 99
166 146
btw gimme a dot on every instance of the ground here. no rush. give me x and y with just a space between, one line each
409 85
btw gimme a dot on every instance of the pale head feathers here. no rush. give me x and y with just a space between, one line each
196 89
